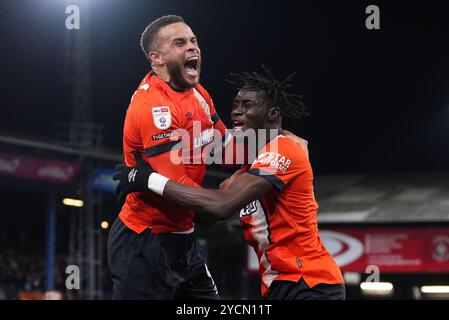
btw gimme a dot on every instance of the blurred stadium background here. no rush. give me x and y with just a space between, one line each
378 134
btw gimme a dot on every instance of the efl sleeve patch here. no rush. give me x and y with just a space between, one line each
162 117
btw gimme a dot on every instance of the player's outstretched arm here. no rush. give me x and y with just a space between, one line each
218 203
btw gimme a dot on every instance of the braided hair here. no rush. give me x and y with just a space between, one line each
290 104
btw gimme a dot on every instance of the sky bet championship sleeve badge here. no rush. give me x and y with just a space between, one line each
162 117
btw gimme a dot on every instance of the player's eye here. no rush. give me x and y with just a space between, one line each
179 43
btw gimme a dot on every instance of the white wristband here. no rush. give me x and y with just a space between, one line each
157 182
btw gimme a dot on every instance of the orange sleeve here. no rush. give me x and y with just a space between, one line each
279 162
163 164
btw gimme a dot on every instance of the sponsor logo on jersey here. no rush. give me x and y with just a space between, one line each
161 117
206 137
249 209
274 160
162 136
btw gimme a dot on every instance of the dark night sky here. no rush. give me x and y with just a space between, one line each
379 100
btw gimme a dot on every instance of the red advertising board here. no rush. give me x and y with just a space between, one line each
391 249
395 249
35 168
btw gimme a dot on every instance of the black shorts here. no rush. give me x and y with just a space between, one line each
289 290
157 266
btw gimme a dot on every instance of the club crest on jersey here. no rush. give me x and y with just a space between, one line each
206 108
161 117
203 102
249 209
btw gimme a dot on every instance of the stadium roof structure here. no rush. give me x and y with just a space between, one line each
401 198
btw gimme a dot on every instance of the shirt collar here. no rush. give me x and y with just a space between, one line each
155 81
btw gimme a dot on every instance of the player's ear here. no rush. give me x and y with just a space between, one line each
155 58
273 113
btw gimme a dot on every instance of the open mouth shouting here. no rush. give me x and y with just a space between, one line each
238 125
192 66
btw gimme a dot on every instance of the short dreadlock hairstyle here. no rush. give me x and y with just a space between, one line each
290 104
150 33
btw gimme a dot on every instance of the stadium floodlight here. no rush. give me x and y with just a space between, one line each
104 224
379 287
73 202
435 289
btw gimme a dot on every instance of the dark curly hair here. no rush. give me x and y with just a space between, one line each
291 105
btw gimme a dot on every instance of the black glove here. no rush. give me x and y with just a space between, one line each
132 179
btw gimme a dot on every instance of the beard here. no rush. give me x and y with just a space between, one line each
178 79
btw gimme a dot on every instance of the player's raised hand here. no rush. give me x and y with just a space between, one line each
131 178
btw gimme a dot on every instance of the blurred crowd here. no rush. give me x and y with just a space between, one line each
25 272
20 272
22 267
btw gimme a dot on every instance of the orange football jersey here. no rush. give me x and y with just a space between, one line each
282 226
153 120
